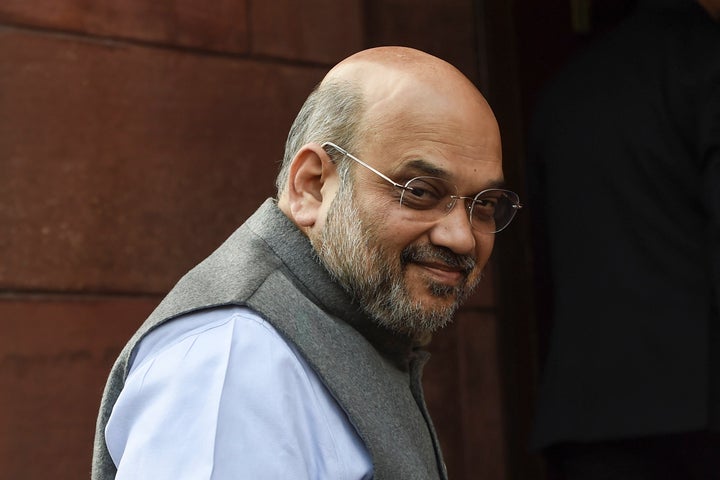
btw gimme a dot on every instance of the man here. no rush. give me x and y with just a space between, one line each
626 160
292 351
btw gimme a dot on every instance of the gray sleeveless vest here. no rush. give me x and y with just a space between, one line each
268 265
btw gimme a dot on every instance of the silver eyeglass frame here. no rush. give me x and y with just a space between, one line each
513 197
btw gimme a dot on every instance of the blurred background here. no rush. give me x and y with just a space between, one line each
136 135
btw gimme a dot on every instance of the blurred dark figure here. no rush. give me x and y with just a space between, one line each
625 178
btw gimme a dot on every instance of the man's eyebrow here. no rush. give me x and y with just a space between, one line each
427 168
500 183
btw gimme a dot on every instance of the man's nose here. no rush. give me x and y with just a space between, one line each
454 231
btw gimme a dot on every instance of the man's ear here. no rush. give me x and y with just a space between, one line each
311 185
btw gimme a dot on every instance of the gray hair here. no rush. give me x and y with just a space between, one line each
331 113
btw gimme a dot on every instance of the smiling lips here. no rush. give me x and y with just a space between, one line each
443 265
444 273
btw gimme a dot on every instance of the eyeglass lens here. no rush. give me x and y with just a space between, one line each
489 211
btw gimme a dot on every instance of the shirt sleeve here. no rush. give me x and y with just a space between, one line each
221 395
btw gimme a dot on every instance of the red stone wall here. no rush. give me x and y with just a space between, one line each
134 137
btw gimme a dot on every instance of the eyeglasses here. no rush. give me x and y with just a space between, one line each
490 211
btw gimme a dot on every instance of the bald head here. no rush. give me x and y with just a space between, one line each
380 67
385 90
402 86
363 65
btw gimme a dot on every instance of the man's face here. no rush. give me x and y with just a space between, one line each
420 117
409 275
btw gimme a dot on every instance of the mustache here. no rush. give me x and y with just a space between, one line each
429 253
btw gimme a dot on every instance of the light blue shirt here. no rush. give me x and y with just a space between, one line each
219 394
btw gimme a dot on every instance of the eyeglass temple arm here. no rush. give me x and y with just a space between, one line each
348 154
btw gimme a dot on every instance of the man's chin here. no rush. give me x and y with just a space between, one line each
438 299
433 294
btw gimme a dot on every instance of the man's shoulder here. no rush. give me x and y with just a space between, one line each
199 324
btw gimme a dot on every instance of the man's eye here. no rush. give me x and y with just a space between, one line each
419 192
486 202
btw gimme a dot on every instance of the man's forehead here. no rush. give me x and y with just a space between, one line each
471 169
448 131
486 174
